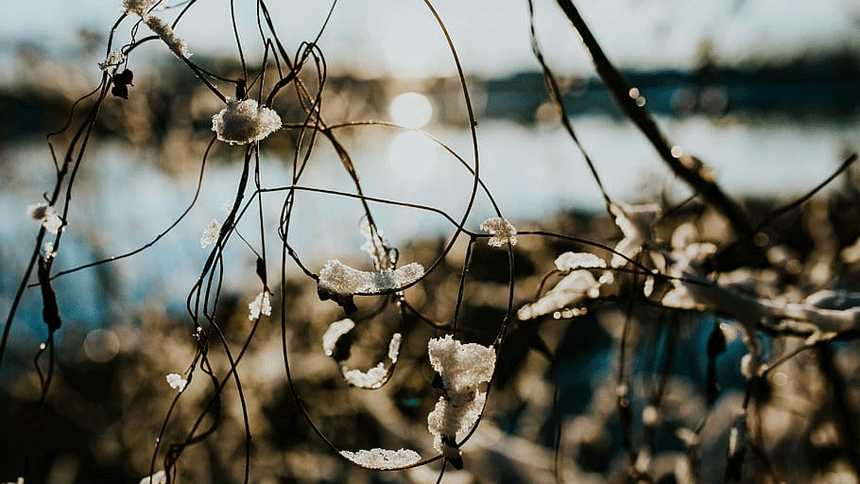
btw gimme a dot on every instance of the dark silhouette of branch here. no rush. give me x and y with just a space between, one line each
689 168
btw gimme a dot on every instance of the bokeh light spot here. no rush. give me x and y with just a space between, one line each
411 109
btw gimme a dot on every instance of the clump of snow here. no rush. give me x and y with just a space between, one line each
502 230
635 222
578 260
50 253
463 368
242 122
338 278
453 418
378 375
167 35
372 378
573 289
113 59
748 366
334 332
176 381
261 304
383 459
158 478
46 214
394 347
210 234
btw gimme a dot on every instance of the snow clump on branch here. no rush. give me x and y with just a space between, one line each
502 230
210 234
462 367
167 35
137 7
46 214
243 122
382 458
339 278
176 381
262 304
578 260
575 288
333 334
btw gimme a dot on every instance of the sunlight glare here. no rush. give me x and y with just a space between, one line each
411 109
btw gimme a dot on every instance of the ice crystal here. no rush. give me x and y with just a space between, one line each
382 458
338 278
46 214
261 304
176 381
158 478
210 234
578 260
573 289
334 333
502 230
167 35
242 122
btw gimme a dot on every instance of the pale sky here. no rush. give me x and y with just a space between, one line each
378 37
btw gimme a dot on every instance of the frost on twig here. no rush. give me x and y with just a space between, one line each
46 214
176 381
244 121
114 59
377 247
502 230
692 290
339 278
383 459
336 344
158 478
378 375
574 288
210 234
578 260
167 35
371 379
137 7
635 222
262 304
463 368
333 341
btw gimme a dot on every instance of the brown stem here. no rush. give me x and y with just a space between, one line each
688 168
